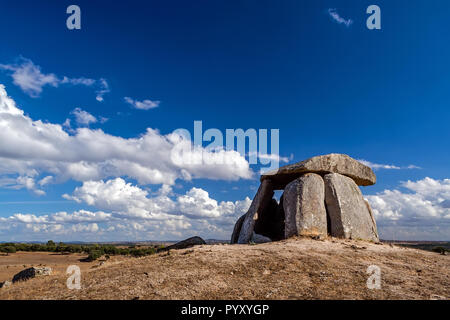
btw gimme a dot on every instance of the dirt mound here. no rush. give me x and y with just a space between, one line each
291 269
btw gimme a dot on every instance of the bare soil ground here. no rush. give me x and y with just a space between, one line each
13 263
291 269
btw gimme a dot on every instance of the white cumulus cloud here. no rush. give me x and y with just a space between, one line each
422 205
142 105
377 166
127 200
127 212
83 117
338 19
30 78
35 149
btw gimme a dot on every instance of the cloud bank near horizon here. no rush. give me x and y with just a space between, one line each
422 210
35 154
126 211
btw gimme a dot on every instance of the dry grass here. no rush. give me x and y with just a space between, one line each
16 262
292 269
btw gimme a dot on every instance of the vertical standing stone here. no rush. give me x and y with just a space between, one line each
349 214
262 199
304 206
374 224
237 230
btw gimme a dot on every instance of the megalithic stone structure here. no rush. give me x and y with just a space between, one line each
321 197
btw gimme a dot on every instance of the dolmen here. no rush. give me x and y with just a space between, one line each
321 198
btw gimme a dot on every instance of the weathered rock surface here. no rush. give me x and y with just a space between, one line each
5 284
237 230
304 207
260 202
280 220
330 163
310 206
190 242
32 273
372 217
258 238
348 212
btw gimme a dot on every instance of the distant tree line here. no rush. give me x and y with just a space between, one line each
443 247
94 251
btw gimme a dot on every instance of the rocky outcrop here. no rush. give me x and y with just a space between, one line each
304 207
262 199
321 197
349 214
5 284
32 273
330 163
190 242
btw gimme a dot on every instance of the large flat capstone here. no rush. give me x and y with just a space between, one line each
361 174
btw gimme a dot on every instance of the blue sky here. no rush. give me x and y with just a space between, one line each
377 95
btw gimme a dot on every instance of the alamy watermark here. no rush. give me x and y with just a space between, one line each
73 22
251 143
374 280
373 22
74 280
